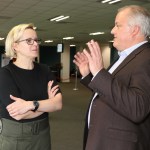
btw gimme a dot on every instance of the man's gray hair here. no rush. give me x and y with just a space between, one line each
139 16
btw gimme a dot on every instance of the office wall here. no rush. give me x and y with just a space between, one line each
49 55
113 53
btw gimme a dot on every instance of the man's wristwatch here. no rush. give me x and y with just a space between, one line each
36 104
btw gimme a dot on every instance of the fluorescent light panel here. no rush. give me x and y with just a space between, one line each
1 38
72 45
110 1
105 1
96 33
68 38
115 1
53 19
59 18
48 41
63 18
34 28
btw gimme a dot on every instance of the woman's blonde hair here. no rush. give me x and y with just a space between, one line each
13 36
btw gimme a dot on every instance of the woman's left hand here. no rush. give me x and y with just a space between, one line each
19 106
52 90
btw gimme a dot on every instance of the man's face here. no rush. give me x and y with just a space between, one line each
122 31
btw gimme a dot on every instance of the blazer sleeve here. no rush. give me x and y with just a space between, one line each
86 80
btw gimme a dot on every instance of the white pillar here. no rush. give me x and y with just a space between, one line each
65 61
106 54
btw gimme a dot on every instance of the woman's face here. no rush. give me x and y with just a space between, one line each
27 46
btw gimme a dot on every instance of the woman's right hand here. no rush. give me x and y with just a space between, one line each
19 106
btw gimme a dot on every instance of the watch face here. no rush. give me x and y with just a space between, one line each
36 104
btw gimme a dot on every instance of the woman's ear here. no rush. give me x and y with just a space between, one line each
15 45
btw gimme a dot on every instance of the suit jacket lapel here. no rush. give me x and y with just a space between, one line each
130 57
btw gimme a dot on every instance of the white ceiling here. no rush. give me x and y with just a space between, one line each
86 16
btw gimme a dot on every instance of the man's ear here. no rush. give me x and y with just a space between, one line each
135 30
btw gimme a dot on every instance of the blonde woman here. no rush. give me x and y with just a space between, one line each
28 92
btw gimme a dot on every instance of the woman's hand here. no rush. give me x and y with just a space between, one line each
19 106
52 90
27 115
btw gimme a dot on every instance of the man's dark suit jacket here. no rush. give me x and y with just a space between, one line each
120 114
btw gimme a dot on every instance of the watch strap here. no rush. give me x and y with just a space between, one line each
36 104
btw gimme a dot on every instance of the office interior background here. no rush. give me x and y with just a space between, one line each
70 24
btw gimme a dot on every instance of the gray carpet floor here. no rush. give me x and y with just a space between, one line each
67 125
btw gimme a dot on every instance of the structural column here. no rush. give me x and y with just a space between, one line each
65 61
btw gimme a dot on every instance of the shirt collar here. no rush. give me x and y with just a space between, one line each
127 51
